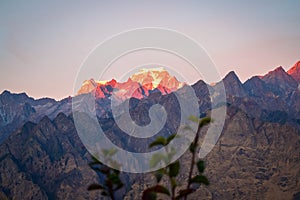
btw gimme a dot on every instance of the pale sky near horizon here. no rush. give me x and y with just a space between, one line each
43 44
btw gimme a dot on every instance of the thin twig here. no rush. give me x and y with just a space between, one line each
195 143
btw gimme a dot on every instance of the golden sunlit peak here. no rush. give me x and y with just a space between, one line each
94 82
157 77
148 78
88 82
102 82
146 74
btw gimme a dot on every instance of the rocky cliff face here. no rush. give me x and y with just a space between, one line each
45 161
295 72
252 160
280 81
139 85
256 157
16 109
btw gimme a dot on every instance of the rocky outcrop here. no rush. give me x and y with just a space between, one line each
46 161
295 72
256 157
16 109
251 160
139 85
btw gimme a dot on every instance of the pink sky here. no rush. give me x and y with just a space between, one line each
42 45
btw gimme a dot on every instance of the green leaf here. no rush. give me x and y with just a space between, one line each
105 152
200 166
185 192
95 187
114 164
200 179
150 193
205 121
159 174
116 171
168 158
194 119
173 182
109 152
114 178
104 193
174 169
95 164
159 141
95 160
161 189
170 138
155 159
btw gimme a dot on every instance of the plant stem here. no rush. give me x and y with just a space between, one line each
172 189
193 158
111 193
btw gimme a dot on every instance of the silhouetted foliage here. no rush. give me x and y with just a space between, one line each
172 170
113 182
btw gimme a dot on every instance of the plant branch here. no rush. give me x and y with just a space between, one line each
195 143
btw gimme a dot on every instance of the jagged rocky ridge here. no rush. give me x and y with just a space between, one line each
16 109
256 157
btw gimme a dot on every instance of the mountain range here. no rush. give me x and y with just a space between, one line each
139 85
256 157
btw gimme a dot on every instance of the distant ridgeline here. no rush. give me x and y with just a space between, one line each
256 157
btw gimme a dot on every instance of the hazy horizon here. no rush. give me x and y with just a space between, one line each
42 45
